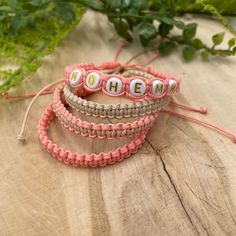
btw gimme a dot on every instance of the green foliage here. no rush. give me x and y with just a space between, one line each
147 32
188 52
189 31
166 47
29 30
218 38
224 7
132 17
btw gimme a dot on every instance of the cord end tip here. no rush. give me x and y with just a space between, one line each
203 110
234 138
21 138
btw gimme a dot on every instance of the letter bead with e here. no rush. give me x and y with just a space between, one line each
137 87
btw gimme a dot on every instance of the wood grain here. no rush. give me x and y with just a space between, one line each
182 182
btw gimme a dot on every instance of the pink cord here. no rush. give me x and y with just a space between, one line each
202 110
204 123
122 45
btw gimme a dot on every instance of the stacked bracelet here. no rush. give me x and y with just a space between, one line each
84 78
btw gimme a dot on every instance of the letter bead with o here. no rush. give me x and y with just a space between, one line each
92 80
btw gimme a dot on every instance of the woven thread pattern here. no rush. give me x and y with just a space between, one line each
118 111
84 160
101 131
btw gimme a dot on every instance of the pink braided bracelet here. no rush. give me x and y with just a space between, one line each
84 160
92 79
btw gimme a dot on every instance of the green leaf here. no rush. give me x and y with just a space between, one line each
14 4
113 4
18 22
139 4
178 38
122 28
188 53
218 38
231 42
35 3
147 32
189 31
164 29
164 19
6 9
205 55
197 43
179 24
65 12
166 47
2 16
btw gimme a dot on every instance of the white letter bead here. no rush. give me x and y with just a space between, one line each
75 77
137 87
114 86
92 80
172 86
158 88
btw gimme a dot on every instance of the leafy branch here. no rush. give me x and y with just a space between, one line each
131 17
31 29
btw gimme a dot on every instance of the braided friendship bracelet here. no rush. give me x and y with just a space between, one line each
121 110
87 129
84 160
118 111
92 79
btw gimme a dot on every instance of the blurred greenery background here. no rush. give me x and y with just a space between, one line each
31 29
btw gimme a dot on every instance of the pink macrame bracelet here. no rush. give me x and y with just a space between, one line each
92 79
87 129
84 160
120 110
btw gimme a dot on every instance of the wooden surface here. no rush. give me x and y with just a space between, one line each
182 182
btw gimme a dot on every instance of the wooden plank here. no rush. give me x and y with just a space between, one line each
182 182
